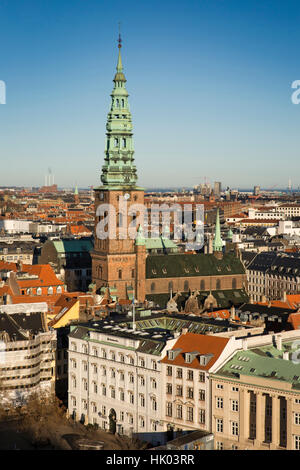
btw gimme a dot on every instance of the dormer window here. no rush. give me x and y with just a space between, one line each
188 358
171 355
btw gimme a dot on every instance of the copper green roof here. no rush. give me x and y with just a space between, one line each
265 362
73 246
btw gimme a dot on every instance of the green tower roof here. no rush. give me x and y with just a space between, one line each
119 171
140 239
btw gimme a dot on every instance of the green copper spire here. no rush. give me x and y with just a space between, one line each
76 190
140 239
229 234
119 171
217 243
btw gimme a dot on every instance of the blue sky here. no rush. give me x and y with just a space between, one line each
209 84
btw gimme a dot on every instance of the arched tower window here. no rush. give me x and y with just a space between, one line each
153 287
186 286
234 283
124 143
117 103
202 285
116 142
218 284
123 103
120 273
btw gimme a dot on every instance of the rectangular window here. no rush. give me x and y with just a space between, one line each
219 402
169 409
201 376
169 371
202 395
234 405
179 373
297 442
219 445
190 375
220 386
179 390
296 418
234 428
190 414
202 416
219 425
179 411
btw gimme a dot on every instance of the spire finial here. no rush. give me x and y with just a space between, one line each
120 39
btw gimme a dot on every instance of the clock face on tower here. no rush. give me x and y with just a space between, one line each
126 196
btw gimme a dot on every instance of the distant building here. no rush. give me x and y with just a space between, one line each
71 260
271 275
256 190
217 189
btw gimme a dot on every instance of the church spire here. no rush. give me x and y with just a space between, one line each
119 171
217 243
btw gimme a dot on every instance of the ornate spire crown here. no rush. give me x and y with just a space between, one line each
119 170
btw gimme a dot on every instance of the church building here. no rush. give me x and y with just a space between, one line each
146 268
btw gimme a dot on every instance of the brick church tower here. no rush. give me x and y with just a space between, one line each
118 260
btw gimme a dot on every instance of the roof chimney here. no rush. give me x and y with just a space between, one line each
285 355
232 312
279 342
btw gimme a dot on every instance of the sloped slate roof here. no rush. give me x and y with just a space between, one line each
190 265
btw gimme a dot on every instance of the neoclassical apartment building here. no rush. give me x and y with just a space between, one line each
255 395
115 377
185 380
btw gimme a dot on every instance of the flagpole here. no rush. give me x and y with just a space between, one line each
133 313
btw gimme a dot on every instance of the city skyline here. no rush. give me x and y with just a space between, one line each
237 123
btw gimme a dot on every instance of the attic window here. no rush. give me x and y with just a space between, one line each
186 270
228 268
164 270
196 269
154 271
188 358
171 355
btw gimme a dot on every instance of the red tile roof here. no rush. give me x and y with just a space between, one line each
203 344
